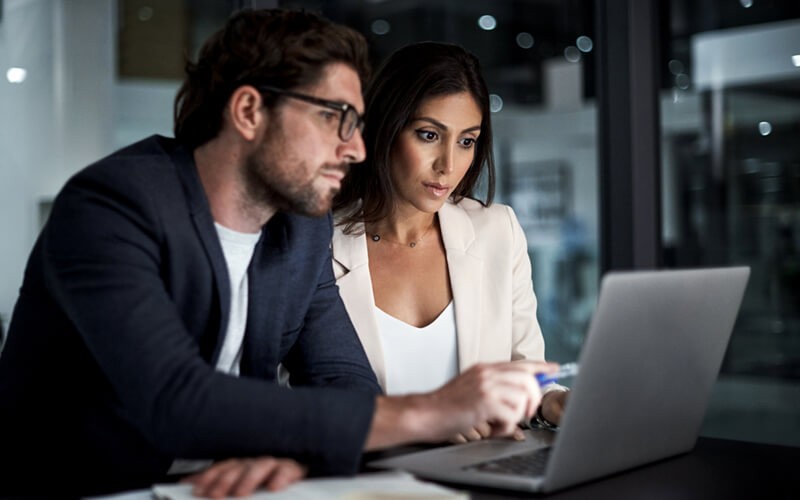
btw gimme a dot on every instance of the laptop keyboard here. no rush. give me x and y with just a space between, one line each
528 463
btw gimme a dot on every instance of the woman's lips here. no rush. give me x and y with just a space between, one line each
436 189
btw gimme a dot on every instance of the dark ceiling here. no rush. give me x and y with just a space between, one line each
512 70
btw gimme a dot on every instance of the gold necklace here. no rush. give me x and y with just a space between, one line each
376 238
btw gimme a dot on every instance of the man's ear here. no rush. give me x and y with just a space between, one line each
246 112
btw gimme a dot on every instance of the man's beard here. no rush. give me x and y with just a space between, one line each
285 188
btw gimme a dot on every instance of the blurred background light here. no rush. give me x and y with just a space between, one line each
487 22
16 75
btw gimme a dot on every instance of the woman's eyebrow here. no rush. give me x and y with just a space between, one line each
442 126
432 121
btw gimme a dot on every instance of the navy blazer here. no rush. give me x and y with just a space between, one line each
108 370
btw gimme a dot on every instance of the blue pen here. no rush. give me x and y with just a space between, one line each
564 371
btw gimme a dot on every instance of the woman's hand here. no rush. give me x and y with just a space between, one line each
553 404
242 476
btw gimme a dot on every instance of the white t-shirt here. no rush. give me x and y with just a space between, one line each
418 359
238 249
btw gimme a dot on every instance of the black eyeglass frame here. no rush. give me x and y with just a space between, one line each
343 107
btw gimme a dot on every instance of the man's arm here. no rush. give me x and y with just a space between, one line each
327 351
103 265
501 394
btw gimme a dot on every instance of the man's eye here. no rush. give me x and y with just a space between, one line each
328 115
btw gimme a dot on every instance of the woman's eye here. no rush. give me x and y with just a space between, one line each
427 135
467 142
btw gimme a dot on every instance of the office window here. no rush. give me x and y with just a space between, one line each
731 193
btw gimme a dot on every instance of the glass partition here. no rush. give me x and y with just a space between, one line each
731 194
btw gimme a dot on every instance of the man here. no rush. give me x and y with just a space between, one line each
174 276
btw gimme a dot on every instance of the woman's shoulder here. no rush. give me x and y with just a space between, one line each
478 212
494 226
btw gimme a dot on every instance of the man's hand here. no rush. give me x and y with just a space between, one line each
241 477
482 431
498 395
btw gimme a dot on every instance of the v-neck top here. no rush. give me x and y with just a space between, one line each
418 359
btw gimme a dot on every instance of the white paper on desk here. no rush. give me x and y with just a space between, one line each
377 486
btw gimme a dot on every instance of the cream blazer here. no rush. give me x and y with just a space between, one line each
490 275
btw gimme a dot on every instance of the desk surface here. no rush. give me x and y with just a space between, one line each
715 469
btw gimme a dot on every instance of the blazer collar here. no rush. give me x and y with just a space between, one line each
355 287
457 230
465 269
350 252
466 280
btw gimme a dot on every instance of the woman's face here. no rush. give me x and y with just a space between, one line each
433 153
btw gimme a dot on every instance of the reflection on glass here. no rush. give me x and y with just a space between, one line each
731 195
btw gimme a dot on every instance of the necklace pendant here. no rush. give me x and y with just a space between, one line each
375 237
412 244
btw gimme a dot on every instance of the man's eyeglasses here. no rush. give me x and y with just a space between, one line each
349 119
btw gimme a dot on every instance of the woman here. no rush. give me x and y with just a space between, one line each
434 281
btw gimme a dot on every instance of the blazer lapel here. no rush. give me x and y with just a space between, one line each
204 225
266 274
465 271
355 288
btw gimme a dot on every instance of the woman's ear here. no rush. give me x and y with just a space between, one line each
247 112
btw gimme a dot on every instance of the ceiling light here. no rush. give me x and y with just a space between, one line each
495 103
572 54
525 40
16 75
584 43
380 26
487 22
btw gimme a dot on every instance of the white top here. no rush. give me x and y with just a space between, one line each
418 359
238 249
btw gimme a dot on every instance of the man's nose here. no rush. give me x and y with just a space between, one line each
353 150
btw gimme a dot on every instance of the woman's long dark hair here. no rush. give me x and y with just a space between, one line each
410 76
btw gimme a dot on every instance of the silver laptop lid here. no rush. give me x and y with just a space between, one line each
648 364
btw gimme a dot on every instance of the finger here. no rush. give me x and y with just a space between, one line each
505 419
505 399
225 480
533 367
203 478
473 435
484 429
203 482
521 392
255 475
458 439
518 435
287 472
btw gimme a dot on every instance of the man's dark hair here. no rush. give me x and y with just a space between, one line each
280 48
406 79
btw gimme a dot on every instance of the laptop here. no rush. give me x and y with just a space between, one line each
647 367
